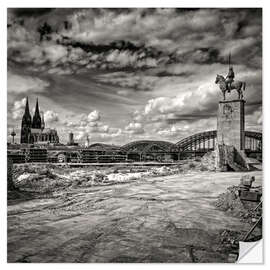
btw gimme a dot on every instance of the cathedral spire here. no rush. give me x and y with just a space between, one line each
42 120
26 111
26 124
36 119
37 108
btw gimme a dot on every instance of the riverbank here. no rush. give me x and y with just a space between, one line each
158 219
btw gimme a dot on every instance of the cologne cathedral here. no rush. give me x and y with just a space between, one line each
34 131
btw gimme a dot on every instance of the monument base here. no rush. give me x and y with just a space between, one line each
231 123
228 158
230 145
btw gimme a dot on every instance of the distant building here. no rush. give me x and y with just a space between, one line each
70 138
71 141
34 131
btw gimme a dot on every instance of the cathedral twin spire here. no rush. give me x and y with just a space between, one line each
33 129
37 121
36 118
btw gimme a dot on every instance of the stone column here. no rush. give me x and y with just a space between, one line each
231 123
230 146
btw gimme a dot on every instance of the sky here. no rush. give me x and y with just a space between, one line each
119 75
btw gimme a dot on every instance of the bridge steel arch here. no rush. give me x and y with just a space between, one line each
140 146
147 150
199 141
205 141
253 141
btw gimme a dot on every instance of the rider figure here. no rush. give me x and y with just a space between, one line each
229 79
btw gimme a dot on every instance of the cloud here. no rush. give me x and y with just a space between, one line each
138 24
134 128
50 117
123 92
99 136
260 119
135 81
18 109
69 124
92 126
136 38
254 121
176 132
172 131
93 116
18 84
53 53
189 102
155 67
46 53
21 12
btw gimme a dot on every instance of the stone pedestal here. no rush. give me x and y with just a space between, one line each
231 124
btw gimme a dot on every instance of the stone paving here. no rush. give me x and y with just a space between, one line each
162 219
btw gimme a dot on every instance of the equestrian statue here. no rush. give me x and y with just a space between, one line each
227 84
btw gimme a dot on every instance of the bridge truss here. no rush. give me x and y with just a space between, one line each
205 141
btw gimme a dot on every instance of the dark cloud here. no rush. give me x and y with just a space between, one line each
199 55
184 10
28 12
189 117
194 35
165 73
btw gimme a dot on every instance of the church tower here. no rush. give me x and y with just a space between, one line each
26 124
42 120
36 118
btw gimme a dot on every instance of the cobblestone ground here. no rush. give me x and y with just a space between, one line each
163 219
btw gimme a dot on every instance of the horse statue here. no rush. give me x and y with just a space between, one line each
237 85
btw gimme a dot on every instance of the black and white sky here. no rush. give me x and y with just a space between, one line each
127 74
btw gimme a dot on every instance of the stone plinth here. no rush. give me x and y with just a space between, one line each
231 123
